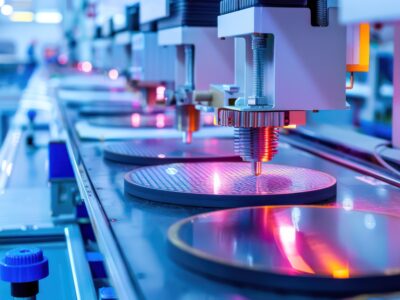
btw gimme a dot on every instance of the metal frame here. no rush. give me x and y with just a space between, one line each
396 88
120 277
7 155
338 158
123 283
84 286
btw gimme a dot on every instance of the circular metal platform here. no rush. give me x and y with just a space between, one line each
116 109
229 185
103 103
135 120
93 88
166 151
293 249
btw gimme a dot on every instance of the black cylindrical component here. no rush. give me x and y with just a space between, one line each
132 17
319 9
25 289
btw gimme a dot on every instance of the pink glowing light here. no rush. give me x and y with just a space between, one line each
160 93
208 119
216 183
287 236
113 74
85 67
135 120
160 120
62 59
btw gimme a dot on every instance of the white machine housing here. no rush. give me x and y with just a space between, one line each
150 62
305 66
120 52
101 53
213 58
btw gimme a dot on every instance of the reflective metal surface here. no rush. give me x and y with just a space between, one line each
136 120
88 96
164 151
103 103
114 109
229 184
306 249
140 120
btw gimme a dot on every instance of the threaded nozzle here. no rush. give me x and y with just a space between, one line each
256 145
259 47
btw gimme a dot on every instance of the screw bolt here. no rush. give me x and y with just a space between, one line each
259 47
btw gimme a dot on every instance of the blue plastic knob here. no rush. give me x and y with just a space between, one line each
24 265
31 115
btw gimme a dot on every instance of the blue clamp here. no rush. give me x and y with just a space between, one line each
24 265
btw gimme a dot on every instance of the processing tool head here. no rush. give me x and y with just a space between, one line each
281 71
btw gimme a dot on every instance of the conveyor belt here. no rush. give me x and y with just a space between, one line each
140 227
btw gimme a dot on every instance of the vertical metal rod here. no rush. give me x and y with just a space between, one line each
321 13
259 46
256 168
396 89
187 137
189 67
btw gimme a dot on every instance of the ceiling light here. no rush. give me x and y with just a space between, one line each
21 16
48 17
119 20
7 10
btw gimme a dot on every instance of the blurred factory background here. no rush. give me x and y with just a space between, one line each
49 32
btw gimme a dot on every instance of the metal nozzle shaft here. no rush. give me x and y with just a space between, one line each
187 137
256 168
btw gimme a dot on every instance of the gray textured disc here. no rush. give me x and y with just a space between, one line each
294 249
229 185
165 151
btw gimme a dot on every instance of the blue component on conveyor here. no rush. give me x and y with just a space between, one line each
60 164
24 265
23 268
107 293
